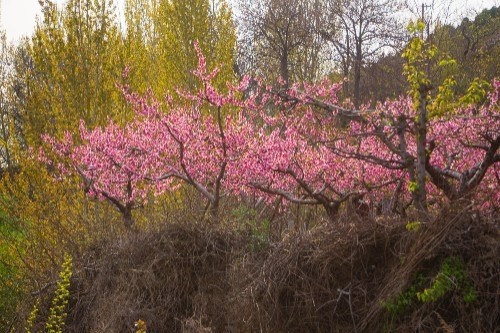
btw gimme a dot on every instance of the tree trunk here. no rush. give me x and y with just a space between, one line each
128 220
214 209
421 134
332 210
357 75
347 66
284 68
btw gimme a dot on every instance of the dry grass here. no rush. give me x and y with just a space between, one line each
194 277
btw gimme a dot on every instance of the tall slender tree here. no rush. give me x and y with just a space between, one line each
359 30
278 39
76 63
66 72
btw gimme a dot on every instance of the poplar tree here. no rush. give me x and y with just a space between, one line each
76 62
160 42
66 72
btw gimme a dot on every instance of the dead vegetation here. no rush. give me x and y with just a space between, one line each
194 277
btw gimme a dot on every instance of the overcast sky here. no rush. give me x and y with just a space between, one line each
17 17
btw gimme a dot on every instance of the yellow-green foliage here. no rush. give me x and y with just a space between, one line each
140 326
446 101
76 55
32 317
418 55
52 215
412 186
66 72
422 59
160 46
476 93
452 275
413 226
58 309
406 299
443 102
10 273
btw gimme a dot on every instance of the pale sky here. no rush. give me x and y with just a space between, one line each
17 17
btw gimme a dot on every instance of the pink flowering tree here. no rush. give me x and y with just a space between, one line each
461 149
287 143
109 164
197 141
293 159
395 135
